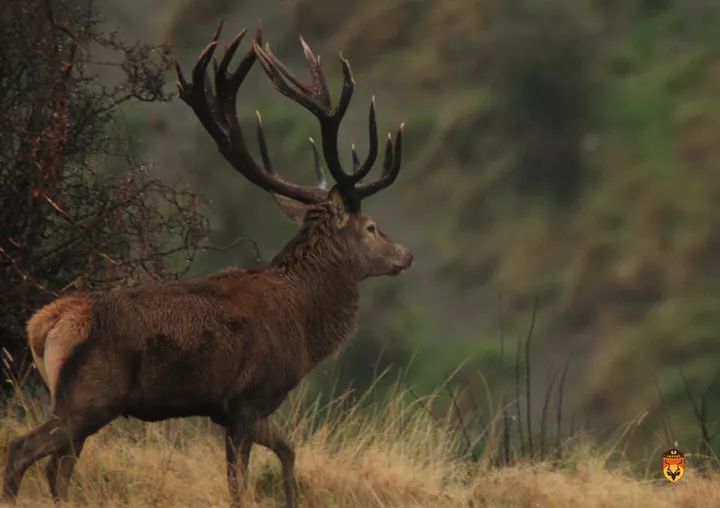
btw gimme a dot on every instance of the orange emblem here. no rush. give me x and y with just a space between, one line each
673 465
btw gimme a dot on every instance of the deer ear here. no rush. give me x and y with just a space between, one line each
294 209
337 204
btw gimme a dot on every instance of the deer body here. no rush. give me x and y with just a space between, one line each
189 348
229 346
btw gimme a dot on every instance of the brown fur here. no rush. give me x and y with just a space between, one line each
229 346
63 324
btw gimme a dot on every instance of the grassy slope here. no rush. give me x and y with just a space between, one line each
385 455
627 275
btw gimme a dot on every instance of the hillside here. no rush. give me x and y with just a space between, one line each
575 167
393 456
558 190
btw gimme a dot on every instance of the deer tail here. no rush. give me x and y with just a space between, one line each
55 330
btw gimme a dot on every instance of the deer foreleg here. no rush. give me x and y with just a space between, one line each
237 454
268 435
60 468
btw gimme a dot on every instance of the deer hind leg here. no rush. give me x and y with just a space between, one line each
52 437
60 467
27 449
269 436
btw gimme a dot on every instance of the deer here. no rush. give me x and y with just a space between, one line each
230 345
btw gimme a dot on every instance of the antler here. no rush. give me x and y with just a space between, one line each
315 98
391 166
217 114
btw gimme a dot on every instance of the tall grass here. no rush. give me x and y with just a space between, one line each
374 451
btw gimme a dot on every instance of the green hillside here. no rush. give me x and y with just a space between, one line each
561 152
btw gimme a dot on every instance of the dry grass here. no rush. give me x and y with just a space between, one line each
390 453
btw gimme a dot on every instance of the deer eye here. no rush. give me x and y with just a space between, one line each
372 229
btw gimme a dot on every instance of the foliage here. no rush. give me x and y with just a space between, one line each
76 210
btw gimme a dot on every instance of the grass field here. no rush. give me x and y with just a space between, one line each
375 454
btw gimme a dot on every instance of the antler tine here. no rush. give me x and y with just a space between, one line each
229 53
319 86
263 146
391 166
347 89
361 172
193 93
226 130
200 69
388 160
355 159
319 173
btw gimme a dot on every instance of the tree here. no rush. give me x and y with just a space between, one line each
76 210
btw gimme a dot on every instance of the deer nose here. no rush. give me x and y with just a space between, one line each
407 258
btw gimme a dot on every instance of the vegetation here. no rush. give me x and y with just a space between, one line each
76 209
389 452
568 151
560 168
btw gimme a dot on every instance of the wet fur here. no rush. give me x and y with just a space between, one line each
187 348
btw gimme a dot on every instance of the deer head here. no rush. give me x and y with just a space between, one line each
366 251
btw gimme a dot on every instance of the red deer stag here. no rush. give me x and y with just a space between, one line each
231 345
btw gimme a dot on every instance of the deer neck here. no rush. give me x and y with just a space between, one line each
330 309
325 288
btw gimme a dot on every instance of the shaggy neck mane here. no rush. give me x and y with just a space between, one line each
317 261
316 247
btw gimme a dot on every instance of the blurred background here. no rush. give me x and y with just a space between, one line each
561 162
